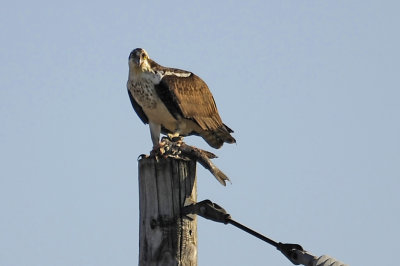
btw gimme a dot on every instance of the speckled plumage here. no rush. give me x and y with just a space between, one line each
144 93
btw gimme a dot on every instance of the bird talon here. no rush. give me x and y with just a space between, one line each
160 149
177 139
142 156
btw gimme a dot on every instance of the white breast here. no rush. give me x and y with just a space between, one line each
145 95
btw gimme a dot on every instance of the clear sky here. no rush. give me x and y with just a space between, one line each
311 89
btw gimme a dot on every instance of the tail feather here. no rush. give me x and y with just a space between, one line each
228 128
216 138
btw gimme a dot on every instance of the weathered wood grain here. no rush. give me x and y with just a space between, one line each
166 238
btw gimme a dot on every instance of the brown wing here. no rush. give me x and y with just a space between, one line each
190 98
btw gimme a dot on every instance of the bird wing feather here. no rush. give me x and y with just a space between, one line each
138 109
189 97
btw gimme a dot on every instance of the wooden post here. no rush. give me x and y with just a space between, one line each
166 238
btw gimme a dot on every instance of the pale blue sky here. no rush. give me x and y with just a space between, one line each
311 89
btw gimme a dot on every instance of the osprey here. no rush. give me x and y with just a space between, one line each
173 101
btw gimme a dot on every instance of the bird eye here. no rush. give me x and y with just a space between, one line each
144 56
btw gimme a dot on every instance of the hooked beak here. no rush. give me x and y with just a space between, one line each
138 61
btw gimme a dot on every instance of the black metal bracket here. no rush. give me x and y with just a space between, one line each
209 210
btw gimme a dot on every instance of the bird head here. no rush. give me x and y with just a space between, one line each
138 59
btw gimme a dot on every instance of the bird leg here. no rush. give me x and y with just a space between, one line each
155 130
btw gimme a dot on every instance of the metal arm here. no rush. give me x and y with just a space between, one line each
294 252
